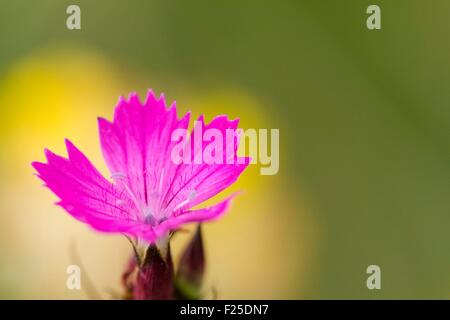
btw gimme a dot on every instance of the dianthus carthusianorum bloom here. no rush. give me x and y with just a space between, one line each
148 194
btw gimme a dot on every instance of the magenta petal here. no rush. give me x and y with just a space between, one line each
84 193
200 215
137 144
206 180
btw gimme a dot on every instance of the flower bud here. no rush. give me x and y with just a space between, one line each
155 276
191 268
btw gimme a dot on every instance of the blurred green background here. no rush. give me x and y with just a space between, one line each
364 132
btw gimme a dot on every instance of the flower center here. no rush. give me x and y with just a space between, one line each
150 217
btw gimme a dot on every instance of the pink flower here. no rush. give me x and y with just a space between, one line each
148 195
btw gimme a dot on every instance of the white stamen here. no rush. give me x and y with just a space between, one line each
119 176
185 202
161 180
192 195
